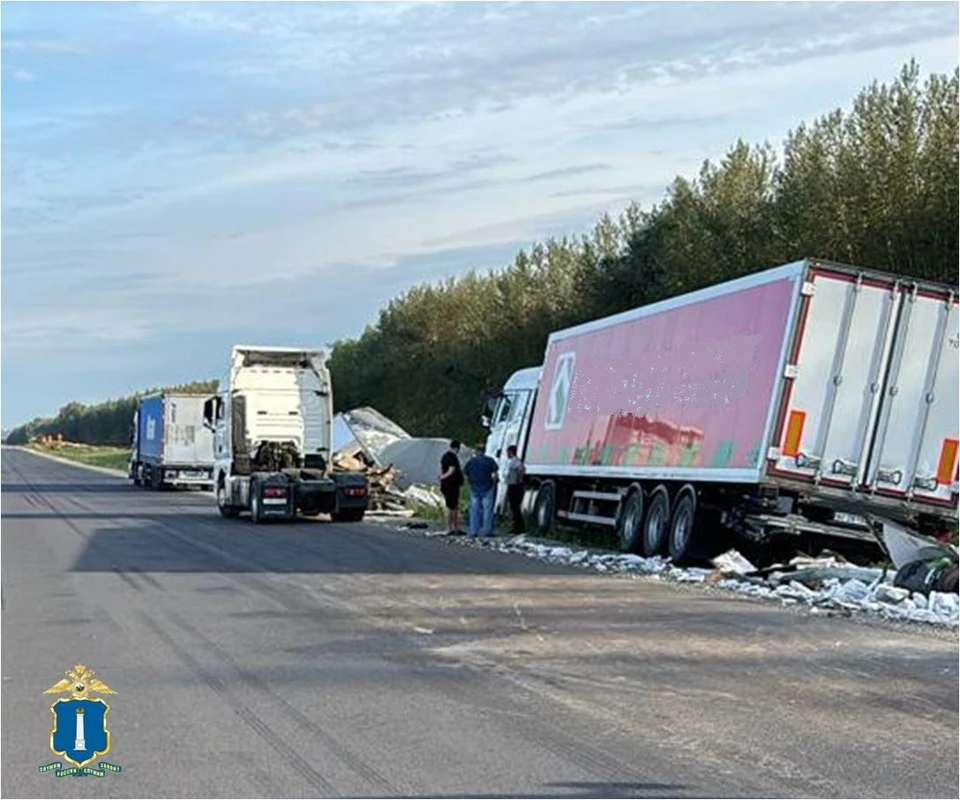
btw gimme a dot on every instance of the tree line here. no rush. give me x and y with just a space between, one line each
874 185
105 423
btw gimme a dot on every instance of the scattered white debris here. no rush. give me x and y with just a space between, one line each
733 562
871 591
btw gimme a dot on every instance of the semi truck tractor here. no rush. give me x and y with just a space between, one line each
271 425
809 400
171 446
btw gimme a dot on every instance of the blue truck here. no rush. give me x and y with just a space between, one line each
171 447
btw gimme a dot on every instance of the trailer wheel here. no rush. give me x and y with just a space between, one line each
655 522
630 527
682 526
137 475
545 507
226 510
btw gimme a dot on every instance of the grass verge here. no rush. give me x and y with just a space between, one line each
92 455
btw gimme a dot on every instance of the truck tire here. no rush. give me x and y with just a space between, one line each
683 529
545 507
137 479
656 522
256 512
226 510
348 515
156 478
630 529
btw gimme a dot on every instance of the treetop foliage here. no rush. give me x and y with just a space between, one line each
875 185
103 423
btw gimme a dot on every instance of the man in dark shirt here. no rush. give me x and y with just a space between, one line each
481 472
451 479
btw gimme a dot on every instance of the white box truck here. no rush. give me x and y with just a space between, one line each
271 424
808 400
171 446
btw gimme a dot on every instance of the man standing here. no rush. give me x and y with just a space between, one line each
481 471
451 479
515 473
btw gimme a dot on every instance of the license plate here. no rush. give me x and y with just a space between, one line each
849 519
274 501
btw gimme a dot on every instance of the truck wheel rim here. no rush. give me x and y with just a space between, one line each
543 512
681 528
654 531
630 523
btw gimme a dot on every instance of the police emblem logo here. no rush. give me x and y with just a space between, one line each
80 733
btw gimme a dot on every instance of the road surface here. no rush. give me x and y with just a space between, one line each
321 660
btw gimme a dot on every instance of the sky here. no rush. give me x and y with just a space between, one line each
181 177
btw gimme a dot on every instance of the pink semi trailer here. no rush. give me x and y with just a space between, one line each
807 401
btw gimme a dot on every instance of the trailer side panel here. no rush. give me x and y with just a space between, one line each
151 432
685 389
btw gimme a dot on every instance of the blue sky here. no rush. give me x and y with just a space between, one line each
178 177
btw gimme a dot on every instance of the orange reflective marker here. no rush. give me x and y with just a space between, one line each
791 440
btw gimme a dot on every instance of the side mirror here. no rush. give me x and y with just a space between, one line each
485 421
211 412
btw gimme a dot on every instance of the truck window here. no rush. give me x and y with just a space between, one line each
504 409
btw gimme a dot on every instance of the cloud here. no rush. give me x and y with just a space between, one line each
202 165
566 172
20 74
41 46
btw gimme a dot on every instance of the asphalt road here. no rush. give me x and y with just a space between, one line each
319 660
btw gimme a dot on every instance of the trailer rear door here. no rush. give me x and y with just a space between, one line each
915 451
187 441
872 404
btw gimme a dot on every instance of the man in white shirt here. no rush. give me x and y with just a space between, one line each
515 476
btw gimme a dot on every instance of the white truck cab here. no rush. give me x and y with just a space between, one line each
271 424
508 418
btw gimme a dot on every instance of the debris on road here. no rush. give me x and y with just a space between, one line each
372 432
732 563
417 460
400 468
830 585
923 566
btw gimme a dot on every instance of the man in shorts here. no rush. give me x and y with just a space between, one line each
451 479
